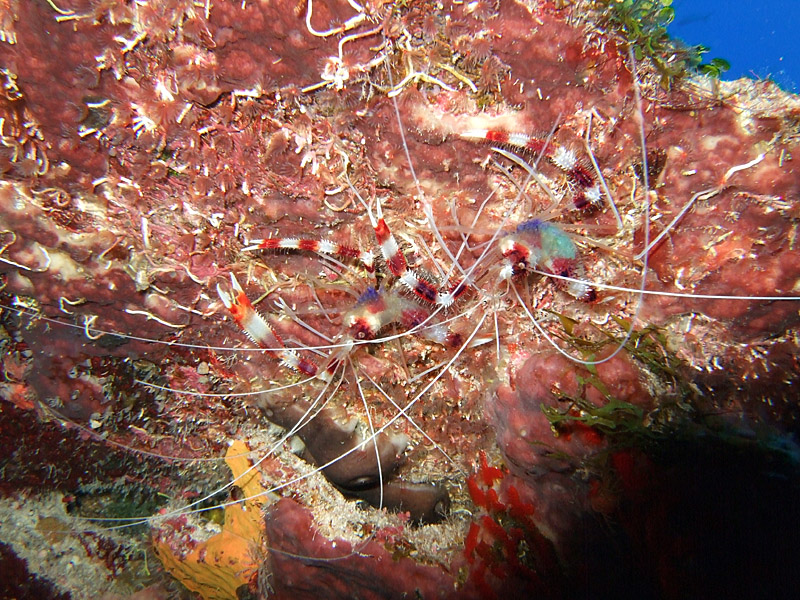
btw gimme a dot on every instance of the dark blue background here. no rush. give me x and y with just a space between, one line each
759 39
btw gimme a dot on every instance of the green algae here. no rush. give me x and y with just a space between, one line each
643 24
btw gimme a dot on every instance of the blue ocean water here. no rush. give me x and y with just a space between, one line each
758 39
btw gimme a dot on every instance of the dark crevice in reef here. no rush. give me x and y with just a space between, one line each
16 581
702 518
355 470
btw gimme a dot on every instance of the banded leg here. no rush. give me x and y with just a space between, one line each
423 289
322 247
586 189
261 332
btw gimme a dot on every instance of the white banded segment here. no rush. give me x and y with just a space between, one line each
247 317
564 159
261 332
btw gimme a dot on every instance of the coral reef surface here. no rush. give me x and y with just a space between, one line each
569 365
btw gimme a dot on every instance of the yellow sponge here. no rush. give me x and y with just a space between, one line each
217 567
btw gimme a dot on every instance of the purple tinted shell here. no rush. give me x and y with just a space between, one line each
533 226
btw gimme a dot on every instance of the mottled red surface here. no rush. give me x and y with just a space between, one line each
516 410
307 565
168 152
756 256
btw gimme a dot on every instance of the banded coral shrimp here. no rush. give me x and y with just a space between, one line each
448 177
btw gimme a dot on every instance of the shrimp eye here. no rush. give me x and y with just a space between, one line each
360 330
